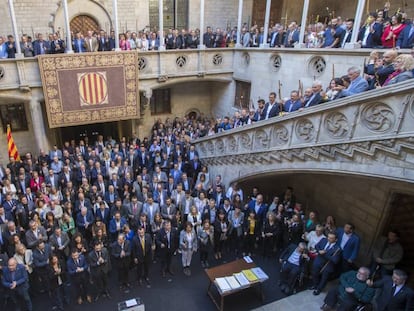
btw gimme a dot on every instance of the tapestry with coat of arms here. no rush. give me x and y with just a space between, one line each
90 87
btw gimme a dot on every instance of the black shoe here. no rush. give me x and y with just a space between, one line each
312 287
316 292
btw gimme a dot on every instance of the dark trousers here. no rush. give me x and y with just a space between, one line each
57 296
320 279
80 284
289 274
166 258
347 304
143 268
16 295
249 241
100 278
123 270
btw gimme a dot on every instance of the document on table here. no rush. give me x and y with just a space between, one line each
242 279
130 303
250 275
233 282
223 285
248 259
261 275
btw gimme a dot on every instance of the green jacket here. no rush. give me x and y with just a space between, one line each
362 292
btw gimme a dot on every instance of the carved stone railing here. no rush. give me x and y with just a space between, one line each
370 134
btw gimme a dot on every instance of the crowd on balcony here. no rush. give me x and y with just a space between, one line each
68 215
380 30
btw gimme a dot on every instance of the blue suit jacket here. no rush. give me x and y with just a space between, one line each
295 105
333 255
112 225
261 214
80 221
20 276
72 266
373 39
351 248
405 41
359 85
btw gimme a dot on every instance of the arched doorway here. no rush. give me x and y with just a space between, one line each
83 23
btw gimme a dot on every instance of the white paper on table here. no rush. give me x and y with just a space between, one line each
233 282
130 303
242 279
248 259
222 284
261 275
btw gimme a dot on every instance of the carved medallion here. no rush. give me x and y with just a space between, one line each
217 59
280 135
336 124
305 130
2 73
219 146
231 144
378 117
261 140
245 141
210 148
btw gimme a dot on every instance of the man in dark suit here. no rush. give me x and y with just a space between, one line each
41 256
121 251
396 295
349 243
142 254
167 243
294 103
324 265
293 260
15 280
370 34
41 46
99 265
315 97
271 109
77 267
59 242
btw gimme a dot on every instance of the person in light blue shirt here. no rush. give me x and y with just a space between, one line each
357 85
3 48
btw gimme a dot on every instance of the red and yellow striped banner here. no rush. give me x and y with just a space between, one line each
13 153
93 88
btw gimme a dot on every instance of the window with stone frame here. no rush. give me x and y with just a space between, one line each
160 101
242 97
15 115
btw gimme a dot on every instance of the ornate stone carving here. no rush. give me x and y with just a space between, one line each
336 124
219 146
304 130
217 59
231 144
181 61
317 66
276 62
378 117
210 147
2 73
245 141
246 58
280 135
261 140
142 63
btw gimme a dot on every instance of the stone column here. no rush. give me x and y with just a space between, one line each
300 44
115 13
201 46
357 25
161 24
266 24
15 32
239 24
69 49
38 124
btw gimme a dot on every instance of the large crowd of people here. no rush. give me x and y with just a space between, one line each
70 215
381 29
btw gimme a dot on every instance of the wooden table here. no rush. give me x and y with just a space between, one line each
229 269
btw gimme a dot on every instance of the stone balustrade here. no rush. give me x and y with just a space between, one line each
370 134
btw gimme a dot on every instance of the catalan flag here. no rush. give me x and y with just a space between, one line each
11 146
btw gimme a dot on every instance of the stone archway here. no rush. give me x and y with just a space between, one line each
84 12
84 23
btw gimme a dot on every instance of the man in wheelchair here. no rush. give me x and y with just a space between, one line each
293 260
351 292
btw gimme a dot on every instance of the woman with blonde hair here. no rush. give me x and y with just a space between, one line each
403 66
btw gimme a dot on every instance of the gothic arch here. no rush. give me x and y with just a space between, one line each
81 7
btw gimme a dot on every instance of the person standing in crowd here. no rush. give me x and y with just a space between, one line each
142 254
77 267
99 267
188 246
121 252
167 240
